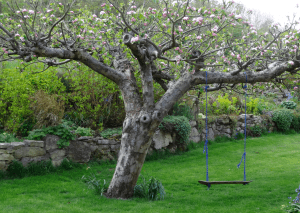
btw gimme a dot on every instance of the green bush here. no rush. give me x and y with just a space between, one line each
39 168
179 124
16 90
151 189
296 123
289 104
283 119
182 110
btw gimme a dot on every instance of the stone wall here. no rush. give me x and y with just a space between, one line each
85 148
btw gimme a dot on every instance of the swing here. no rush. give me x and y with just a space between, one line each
207 182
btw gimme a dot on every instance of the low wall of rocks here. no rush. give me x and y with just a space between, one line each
85 148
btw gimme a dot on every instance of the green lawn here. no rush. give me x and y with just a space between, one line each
272 164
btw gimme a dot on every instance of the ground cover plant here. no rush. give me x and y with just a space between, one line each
272 165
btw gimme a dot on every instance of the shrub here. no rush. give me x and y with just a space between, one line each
16 89
48 109
255 131
289 104
283 119
96 184
295 123
151 189
253 105
182 110
179 124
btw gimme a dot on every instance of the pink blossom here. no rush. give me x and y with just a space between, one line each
104 42
60 4
133 19
134 39
177 48
232 54
214 10
18 12
212 16
185 18
31 12
17 35
71 11
145 24
103 5
295 88
102 12
133 7
214 34
198 37
24 10
94 15
291 62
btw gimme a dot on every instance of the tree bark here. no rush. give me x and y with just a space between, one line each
136 140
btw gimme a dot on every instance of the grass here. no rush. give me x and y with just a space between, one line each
272 164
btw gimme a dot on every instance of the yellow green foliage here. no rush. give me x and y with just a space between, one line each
16 88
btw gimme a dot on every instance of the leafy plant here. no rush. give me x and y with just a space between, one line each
62 130
109 132
93 183
283 119
7 138
253 105
151 189
180 124
289 104
84 131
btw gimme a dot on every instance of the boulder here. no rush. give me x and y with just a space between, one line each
32 143
7 157
29 152
78 152
4 145
2 165
193 123
159 139
51 142
194 135
17 145
26 160
58 154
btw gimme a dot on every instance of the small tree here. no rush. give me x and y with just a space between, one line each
177 45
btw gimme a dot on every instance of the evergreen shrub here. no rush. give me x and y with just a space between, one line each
283 119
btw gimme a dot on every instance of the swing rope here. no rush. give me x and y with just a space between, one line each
206 128
207 182
245 132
